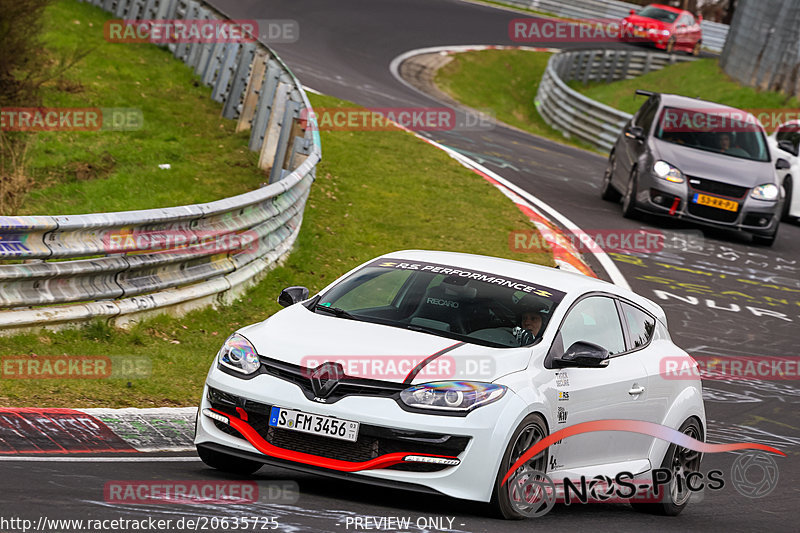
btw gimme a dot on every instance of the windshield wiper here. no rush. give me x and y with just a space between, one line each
336 311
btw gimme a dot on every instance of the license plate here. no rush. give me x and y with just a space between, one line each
713 201
327 426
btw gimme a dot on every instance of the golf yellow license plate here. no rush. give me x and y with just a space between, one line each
713 201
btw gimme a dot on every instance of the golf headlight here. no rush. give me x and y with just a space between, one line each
768 191
452 396
664 32
238 354
667 172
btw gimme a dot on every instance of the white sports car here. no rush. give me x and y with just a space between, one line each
436 371
784 143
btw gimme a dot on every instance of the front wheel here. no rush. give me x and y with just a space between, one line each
529 432
629 200
681 462
765 240
787 203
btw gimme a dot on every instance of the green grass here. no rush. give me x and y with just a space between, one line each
502 82
703 78
101 171
375 192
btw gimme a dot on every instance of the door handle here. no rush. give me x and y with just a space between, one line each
636 390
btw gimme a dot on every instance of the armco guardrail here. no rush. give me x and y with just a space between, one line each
121 266
714 33
576 115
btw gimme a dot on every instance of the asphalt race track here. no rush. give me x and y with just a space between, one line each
723 297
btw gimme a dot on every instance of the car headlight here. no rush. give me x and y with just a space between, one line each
238 354
768 191
452 396
666 171
665 33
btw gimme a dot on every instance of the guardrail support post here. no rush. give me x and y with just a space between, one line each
250 100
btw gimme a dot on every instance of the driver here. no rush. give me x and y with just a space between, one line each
532 321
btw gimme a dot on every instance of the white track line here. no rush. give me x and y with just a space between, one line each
137 459
608 265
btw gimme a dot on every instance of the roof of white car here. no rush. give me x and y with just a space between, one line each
541 275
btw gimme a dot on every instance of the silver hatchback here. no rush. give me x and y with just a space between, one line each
695 160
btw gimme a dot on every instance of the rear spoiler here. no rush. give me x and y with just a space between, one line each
642 92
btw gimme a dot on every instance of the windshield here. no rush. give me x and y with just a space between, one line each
466 305
658 14
732 133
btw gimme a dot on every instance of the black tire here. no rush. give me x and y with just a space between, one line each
608 192
629 198
228 463
676 459
787 203
532 426
765 240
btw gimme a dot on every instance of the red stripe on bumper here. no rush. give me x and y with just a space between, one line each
266 448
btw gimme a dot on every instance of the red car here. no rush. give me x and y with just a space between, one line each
666 27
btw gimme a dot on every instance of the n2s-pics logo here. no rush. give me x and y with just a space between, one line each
534 493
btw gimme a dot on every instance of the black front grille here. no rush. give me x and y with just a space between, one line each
717 187
713 213
373 441
347 386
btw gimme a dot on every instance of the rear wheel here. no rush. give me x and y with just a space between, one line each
608 192
681 462
227 463
629 200
529 432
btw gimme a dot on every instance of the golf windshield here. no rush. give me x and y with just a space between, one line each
462 304
729 132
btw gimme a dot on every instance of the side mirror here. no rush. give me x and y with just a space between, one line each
584 355
292 295
635 132
782 164
633 11
787 146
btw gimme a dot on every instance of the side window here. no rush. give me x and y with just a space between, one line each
594 320
640 325
789 133
646 115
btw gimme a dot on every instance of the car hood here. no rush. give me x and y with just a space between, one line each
298 336
718 167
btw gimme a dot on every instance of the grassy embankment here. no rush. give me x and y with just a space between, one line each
375 192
